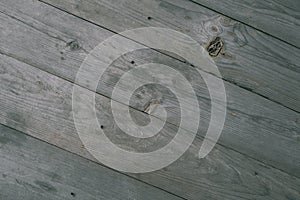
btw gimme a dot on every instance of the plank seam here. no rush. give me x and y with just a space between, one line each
229 81
199 137
262 31
131 177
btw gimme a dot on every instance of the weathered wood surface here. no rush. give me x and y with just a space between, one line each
39 104
42 41
276 17
33 170
251 59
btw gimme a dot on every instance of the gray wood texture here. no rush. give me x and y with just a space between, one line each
252 124
33 170
250 59
39 104
41 51
276 17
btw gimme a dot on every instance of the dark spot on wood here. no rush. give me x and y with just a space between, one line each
40 83
255 173
149 18
73 44
62 58
4 175
18 181
14 92
187 17
45 186
73 194
214 29
215 47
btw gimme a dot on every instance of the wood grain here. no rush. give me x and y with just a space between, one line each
250 59
32 170
267 16
39 104
43 42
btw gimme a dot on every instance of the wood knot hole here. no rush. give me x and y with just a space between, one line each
215 46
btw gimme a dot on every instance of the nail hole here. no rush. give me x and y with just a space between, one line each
101 126
255 173
149 18
73 194
132 62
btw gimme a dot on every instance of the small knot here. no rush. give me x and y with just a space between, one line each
215 47
73 44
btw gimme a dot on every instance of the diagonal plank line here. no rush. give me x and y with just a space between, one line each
45 142
227 80
135 109
219 12
197 136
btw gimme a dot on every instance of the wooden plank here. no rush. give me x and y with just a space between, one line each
278 18
251 59
39 104
248 126
31 169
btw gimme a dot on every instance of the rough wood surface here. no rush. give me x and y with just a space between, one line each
33 170
43 41
276 17
250 59
39 104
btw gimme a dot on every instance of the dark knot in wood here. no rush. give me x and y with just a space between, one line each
215 47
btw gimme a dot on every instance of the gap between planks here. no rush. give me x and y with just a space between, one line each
23 60
250 85
290 36
220 158
71 157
